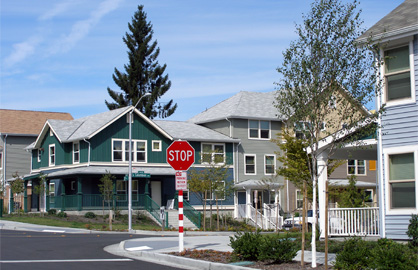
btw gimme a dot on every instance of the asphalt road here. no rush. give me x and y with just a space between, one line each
40 250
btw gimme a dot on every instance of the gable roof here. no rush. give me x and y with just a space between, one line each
403 20
192 132
244 105
27 122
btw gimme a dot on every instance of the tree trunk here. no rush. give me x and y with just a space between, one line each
302 261
204 212
217 211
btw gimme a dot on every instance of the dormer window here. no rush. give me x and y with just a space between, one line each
52 155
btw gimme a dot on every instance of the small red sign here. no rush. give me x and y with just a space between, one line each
180 155
181 180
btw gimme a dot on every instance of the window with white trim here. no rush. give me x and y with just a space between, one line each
76 152
51 189
398 74
258 129
250 164
402 181
156 146
213 153
218 193
299 199
120 150
73 185
52 155
356 167
121 190
39 155
269 164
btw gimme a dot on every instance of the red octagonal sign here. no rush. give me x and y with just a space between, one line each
180 155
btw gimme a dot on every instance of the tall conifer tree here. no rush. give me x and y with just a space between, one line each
143 74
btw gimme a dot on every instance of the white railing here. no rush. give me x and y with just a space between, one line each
265 220
271 212
353 221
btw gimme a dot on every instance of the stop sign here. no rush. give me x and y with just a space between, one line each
180 155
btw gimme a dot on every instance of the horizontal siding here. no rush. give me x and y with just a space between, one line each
17 159
396 226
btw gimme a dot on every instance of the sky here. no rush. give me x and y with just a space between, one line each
60 56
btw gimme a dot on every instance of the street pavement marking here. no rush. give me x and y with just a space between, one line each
75 260
53 231
138 248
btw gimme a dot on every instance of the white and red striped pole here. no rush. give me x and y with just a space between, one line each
181 232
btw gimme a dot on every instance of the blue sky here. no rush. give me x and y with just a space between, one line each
60 55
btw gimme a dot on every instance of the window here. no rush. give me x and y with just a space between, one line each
269 164
1 160
356 167
218 193
39 155
368 195
258 129
302 130
397 74
120 149
51 189
76 152
250 164
213 153
121 190
156 146
72 185
402 180
52 155
332 102
299 199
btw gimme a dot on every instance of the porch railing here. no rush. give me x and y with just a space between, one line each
96 202
192 214
353 221
263 220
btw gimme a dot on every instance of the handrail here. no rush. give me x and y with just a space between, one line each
192 214
354 221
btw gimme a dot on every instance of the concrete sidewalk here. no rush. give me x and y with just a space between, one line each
156 247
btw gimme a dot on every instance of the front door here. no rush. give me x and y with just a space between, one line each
156 191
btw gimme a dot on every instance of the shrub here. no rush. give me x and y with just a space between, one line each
246 245
52 212
355 254
89 215
413 230
280 250
62 214
391 255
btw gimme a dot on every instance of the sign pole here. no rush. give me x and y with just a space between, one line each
181 233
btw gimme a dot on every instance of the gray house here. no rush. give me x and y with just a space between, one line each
252 118
397 33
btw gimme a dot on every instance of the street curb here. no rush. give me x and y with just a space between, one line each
182 261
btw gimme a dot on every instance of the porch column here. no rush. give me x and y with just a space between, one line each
79 194
25 196
322 178
47 205
235 204
62 195
147 187
248 202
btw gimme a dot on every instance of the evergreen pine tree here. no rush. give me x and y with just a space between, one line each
143 74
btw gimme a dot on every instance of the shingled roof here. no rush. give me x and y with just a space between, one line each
244 105
27 122
403 20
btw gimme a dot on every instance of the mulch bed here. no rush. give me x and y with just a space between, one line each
227 258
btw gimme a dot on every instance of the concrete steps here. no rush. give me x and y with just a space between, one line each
173 220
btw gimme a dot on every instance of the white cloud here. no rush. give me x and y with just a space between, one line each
58 9
81 28
22 50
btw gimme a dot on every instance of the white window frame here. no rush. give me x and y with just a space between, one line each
76 152
265 164
356 167
412 98
125 151
245 164
73 185
297 199
154 149
213 153
212 196
393 151
259 130
39 155
51 189
51 164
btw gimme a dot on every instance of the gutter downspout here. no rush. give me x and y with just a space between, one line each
88 161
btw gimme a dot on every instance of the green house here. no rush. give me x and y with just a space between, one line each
75 154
